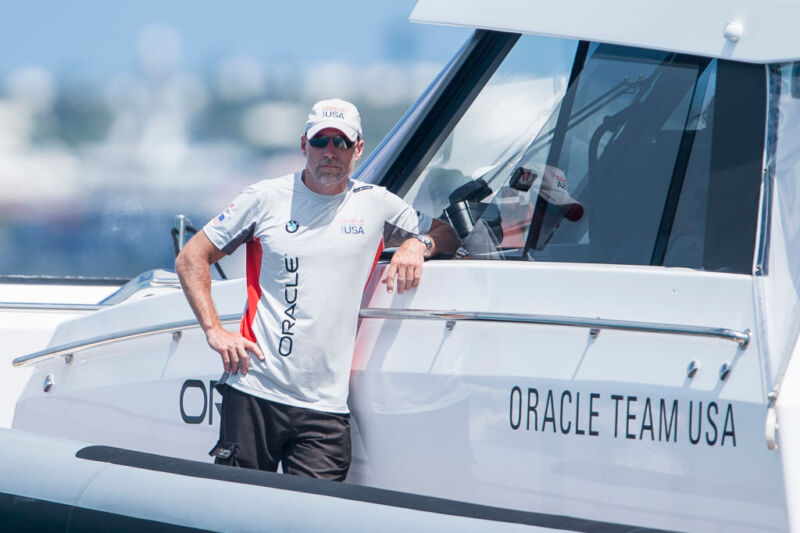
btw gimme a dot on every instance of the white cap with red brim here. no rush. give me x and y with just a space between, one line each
554 190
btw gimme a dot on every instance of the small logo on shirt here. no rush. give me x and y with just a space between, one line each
216 221
362 188
353 226
292 226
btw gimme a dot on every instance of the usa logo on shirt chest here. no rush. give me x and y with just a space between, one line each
353 226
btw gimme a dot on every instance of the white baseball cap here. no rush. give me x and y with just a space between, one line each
554 190
334 113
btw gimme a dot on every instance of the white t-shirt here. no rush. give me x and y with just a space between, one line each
309 257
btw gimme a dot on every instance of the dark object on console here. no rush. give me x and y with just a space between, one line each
522 179
466 208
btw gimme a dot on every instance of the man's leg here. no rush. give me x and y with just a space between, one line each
321 447
244 438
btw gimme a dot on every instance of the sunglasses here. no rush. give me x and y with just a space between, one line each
339 141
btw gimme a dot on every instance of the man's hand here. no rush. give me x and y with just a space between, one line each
406 265
234 349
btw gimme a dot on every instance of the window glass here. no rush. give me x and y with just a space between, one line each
498 126
687 238
618 172
787 168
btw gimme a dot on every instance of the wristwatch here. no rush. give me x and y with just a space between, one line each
424 239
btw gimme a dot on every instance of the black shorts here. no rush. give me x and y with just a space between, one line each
257 433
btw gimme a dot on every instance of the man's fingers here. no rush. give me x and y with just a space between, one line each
413 275
410 278
406 264
253 347
234 361
413 280
388 278
234 350
244 359
401 280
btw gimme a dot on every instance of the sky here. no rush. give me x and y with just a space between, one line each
99 37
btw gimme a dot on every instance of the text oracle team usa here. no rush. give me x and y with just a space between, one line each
566 412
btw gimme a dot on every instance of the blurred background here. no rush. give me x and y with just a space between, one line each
116 116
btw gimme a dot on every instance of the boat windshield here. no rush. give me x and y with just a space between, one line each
633 161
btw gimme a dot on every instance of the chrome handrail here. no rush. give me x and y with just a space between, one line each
20 306
742 338
95 342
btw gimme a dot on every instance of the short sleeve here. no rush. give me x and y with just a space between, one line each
403 216
236 224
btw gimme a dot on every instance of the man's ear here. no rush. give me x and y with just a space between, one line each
303 144
359 149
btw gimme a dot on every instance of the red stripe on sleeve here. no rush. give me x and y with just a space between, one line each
253 262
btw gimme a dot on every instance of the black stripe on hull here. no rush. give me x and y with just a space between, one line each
19 513
184 467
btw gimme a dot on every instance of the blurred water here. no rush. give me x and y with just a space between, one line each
93 169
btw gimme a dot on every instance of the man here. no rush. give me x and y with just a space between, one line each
311 240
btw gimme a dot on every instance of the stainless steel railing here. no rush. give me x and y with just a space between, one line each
740 337
103 340
595 325
25 306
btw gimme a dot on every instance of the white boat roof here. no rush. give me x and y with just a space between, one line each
768 28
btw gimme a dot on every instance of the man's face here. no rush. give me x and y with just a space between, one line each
330 166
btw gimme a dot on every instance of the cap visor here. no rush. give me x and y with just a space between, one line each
350 133
573 212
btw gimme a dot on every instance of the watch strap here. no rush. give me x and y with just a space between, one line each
424 239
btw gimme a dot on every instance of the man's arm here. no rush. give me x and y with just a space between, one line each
192 266
407 261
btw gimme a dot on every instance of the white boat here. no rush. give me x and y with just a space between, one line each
635 369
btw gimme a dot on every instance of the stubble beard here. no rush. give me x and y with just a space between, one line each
330 177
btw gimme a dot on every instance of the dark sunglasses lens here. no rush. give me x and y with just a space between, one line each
321 141
341 143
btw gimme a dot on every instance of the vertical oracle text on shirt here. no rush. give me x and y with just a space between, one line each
288 320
